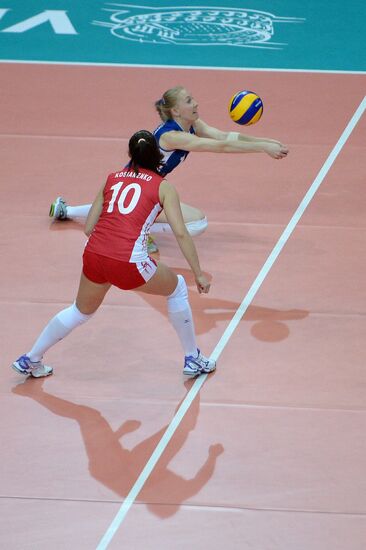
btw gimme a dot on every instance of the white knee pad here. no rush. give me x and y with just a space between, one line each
71 317
197 227
194 228
178 300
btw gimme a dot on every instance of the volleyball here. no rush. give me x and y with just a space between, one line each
245 108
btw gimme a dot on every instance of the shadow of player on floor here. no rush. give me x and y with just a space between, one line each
117 467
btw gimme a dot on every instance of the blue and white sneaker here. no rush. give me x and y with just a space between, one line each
25 366
194 366
58 209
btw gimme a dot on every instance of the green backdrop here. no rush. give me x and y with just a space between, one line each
276 34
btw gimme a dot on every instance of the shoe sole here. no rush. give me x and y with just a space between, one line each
29 373
209 371
53 209
198 373
191 375
43 375
19 371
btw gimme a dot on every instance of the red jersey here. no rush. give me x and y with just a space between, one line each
131 204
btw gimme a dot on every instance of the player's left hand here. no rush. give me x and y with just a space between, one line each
203 286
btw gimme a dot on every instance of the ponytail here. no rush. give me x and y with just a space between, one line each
144 151
165 104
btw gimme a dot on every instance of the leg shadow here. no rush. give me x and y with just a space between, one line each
269 324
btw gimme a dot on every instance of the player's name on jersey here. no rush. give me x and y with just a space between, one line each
135 175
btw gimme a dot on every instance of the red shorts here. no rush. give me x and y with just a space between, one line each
125 275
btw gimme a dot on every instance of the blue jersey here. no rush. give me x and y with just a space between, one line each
171 158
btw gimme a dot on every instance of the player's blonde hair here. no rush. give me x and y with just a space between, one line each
168 100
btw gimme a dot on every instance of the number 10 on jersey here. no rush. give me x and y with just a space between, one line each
121 196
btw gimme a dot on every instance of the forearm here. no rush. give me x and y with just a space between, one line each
236 136
188 249
233 136
242 146
244 137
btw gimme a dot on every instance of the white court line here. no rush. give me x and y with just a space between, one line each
185 67
129 500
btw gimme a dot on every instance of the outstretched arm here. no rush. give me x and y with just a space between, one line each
190 142
170 200
204 130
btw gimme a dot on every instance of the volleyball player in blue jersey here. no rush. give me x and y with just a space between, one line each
182 132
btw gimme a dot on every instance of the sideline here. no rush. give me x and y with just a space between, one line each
188 67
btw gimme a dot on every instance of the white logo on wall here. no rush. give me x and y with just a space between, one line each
194 26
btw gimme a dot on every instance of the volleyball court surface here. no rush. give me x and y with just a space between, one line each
270 453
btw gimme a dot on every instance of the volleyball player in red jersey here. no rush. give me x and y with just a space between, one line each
118 225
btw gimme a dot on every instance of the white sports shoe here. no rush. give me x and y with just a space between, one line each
25 366
58 209
194 366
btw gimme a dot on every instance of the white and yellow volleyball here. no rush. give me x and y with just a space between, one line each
245 108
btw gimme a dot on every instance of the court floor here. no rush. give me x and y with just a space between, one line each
269 452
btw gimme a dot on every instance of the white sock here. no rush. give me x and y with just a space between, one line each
81 211
180 315
59 327
194 228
